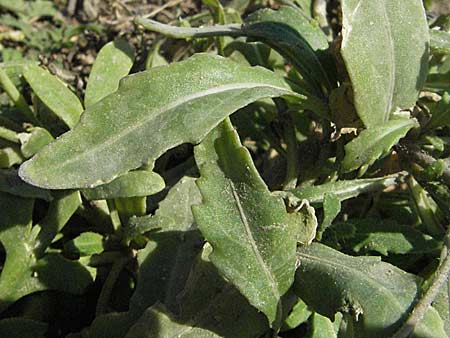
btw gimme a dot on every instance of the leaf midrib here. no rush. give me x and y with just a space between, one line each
270 278
185 99
370 280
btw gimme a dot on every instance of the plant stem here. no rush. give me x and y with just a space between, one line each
184 33
440 277
105 294
416 154
292 168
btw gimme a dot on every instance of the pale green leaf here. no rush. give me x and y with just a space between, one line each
298 315
132 127
132 184
439 42
10 156
374 295
34 140
385 49
23 273
252 235
322 327
54 94
373 143
344 189
113 62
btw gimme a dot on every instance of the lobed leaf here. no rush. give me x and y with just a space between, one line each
113 62
151 112
374 296
252 235
385 49
372 143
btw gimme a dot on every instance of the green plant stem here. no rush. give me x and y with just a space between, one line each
184 33
292 168
114 215
16 97
105 294
441 277
414 153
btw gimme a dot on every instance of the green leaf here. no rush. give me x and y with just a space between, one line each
293 34
184 194
132 184
61 209
385 49
383 236
165 262
10 156
22 328
252 235
131 127
54 94
344 189
22 272
113 62
439 42
331 208
323 327
373 143
374 296
440 116
442 305
34 141
209 307
87 244
11 183
298 315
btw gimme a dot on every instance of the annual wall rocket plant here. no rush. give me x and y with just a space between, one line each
286 180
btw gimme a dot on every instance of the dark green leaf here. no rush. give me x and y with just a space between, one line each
22 272
11 183
383 236
22 328
209 307
374 295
